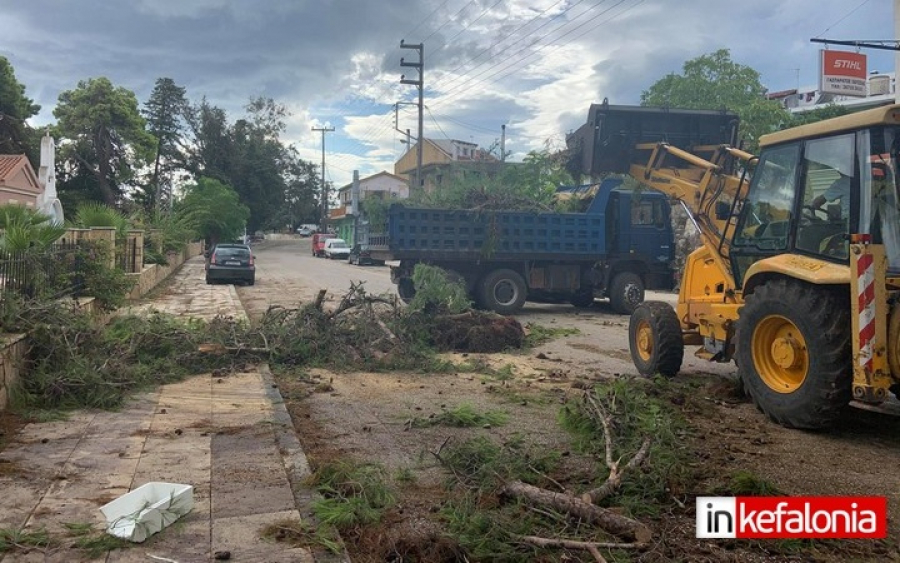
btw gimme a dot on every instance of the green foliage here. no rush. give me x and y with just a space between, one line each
26 229
639 409
107 139
297 533
438 291
807 117
355 494
95 543
12 539
94 214
376 212
715 82
93 277
16 107
536 334
164 111
747 483
485 465
213 209
530 185
74 363
463 416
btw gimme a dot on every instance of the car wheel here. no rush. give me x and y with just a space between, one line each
251 281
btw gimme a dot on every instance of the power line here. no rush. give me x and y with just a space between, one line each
847 15
506 63
523 37
501 39
461 91
448 20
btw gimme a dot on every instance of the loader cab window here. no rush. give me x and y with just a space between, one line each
765 216
829 180
880 190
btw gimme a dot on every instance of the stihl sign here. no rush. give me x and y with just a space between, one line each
842 73
791 517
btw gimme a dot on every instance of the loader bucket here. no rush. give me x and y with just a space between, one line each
606 143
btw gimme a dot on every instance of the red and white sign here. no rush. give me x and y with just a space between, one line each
842 73
792 517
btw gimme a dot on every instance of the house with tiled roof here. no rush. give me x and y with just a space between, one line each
18 182
440 155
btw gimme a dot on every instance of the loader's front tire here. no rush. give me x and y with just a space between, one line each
794 352
654 337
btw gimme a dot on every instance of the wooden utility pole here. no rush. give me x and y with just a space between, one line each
324 224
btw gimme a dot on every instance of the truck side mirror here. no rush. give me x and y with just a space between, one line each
723 210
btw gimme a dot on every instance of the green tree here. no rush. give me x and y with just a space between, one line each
213 209
714 81
103 140
531 184
164 111
22 228
15 107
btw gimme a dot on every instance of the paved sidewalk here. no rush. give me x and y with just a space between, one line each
228 436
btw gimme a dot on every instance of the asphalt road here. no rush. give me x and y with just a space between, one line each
290 265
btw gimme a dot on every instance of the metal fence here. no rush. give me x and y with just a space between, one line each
127 256
43 274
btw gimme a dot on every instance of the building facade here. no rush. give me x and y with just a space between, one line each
18 182
346 219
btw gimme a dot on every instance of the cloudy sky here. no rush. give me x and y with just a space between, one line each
534 65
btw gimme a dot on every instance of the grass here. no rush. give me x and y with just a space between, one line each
297 533
463 416
94 542
354 494
639 409
11 539
747 483
536 334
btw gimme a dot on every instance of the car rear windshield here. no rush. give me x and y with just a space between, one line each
232 252
339 245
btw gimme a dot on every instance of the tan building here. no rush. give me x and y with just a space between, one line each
436 152
18 182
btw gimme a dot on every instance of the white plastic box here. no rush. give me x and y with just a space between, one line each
139 514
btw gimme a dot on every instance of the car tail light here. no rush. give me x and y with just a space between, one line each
212 259
251 259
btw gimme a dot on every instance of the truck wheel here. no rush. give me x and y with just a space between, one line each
406 289
502 291
793 353
583 299
626 292
654 337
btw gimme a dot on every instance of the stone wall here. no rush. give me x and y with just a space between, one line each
154 274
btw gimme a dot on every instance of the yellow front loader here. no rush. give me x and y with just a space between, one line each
798 276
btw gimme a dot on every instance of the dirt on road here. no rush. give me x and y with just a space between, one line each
374 418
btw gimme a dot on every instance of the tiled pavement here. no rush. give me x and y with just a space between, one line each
230 437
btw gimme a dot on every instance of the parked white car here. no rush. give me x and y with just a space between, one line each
336 248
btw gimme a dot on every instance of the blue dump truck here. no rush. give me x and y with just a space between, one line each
622 244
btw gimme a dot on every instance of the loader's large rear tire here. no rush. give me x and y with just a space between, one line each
654 337
626 292
502 291
794 352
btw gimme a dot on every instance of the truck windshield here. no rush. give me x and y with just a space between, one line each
880 190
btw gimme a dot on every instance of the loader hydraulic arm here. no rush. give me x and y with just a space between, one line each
706 189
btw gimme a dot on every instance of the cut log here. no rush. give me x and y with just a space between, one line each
614 523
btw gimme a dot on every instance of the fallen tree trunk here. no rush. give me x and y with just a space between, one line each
614 523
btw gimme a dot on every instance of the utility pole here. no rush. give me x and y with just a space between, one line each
420 84
324 225
503 143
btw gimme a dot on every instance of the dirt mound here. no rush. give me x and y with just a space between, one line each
476 331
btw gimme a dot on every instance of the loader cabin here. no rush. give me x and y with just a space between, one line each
817 184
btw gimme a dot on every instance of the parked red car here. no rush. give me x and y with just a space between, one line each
318 243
